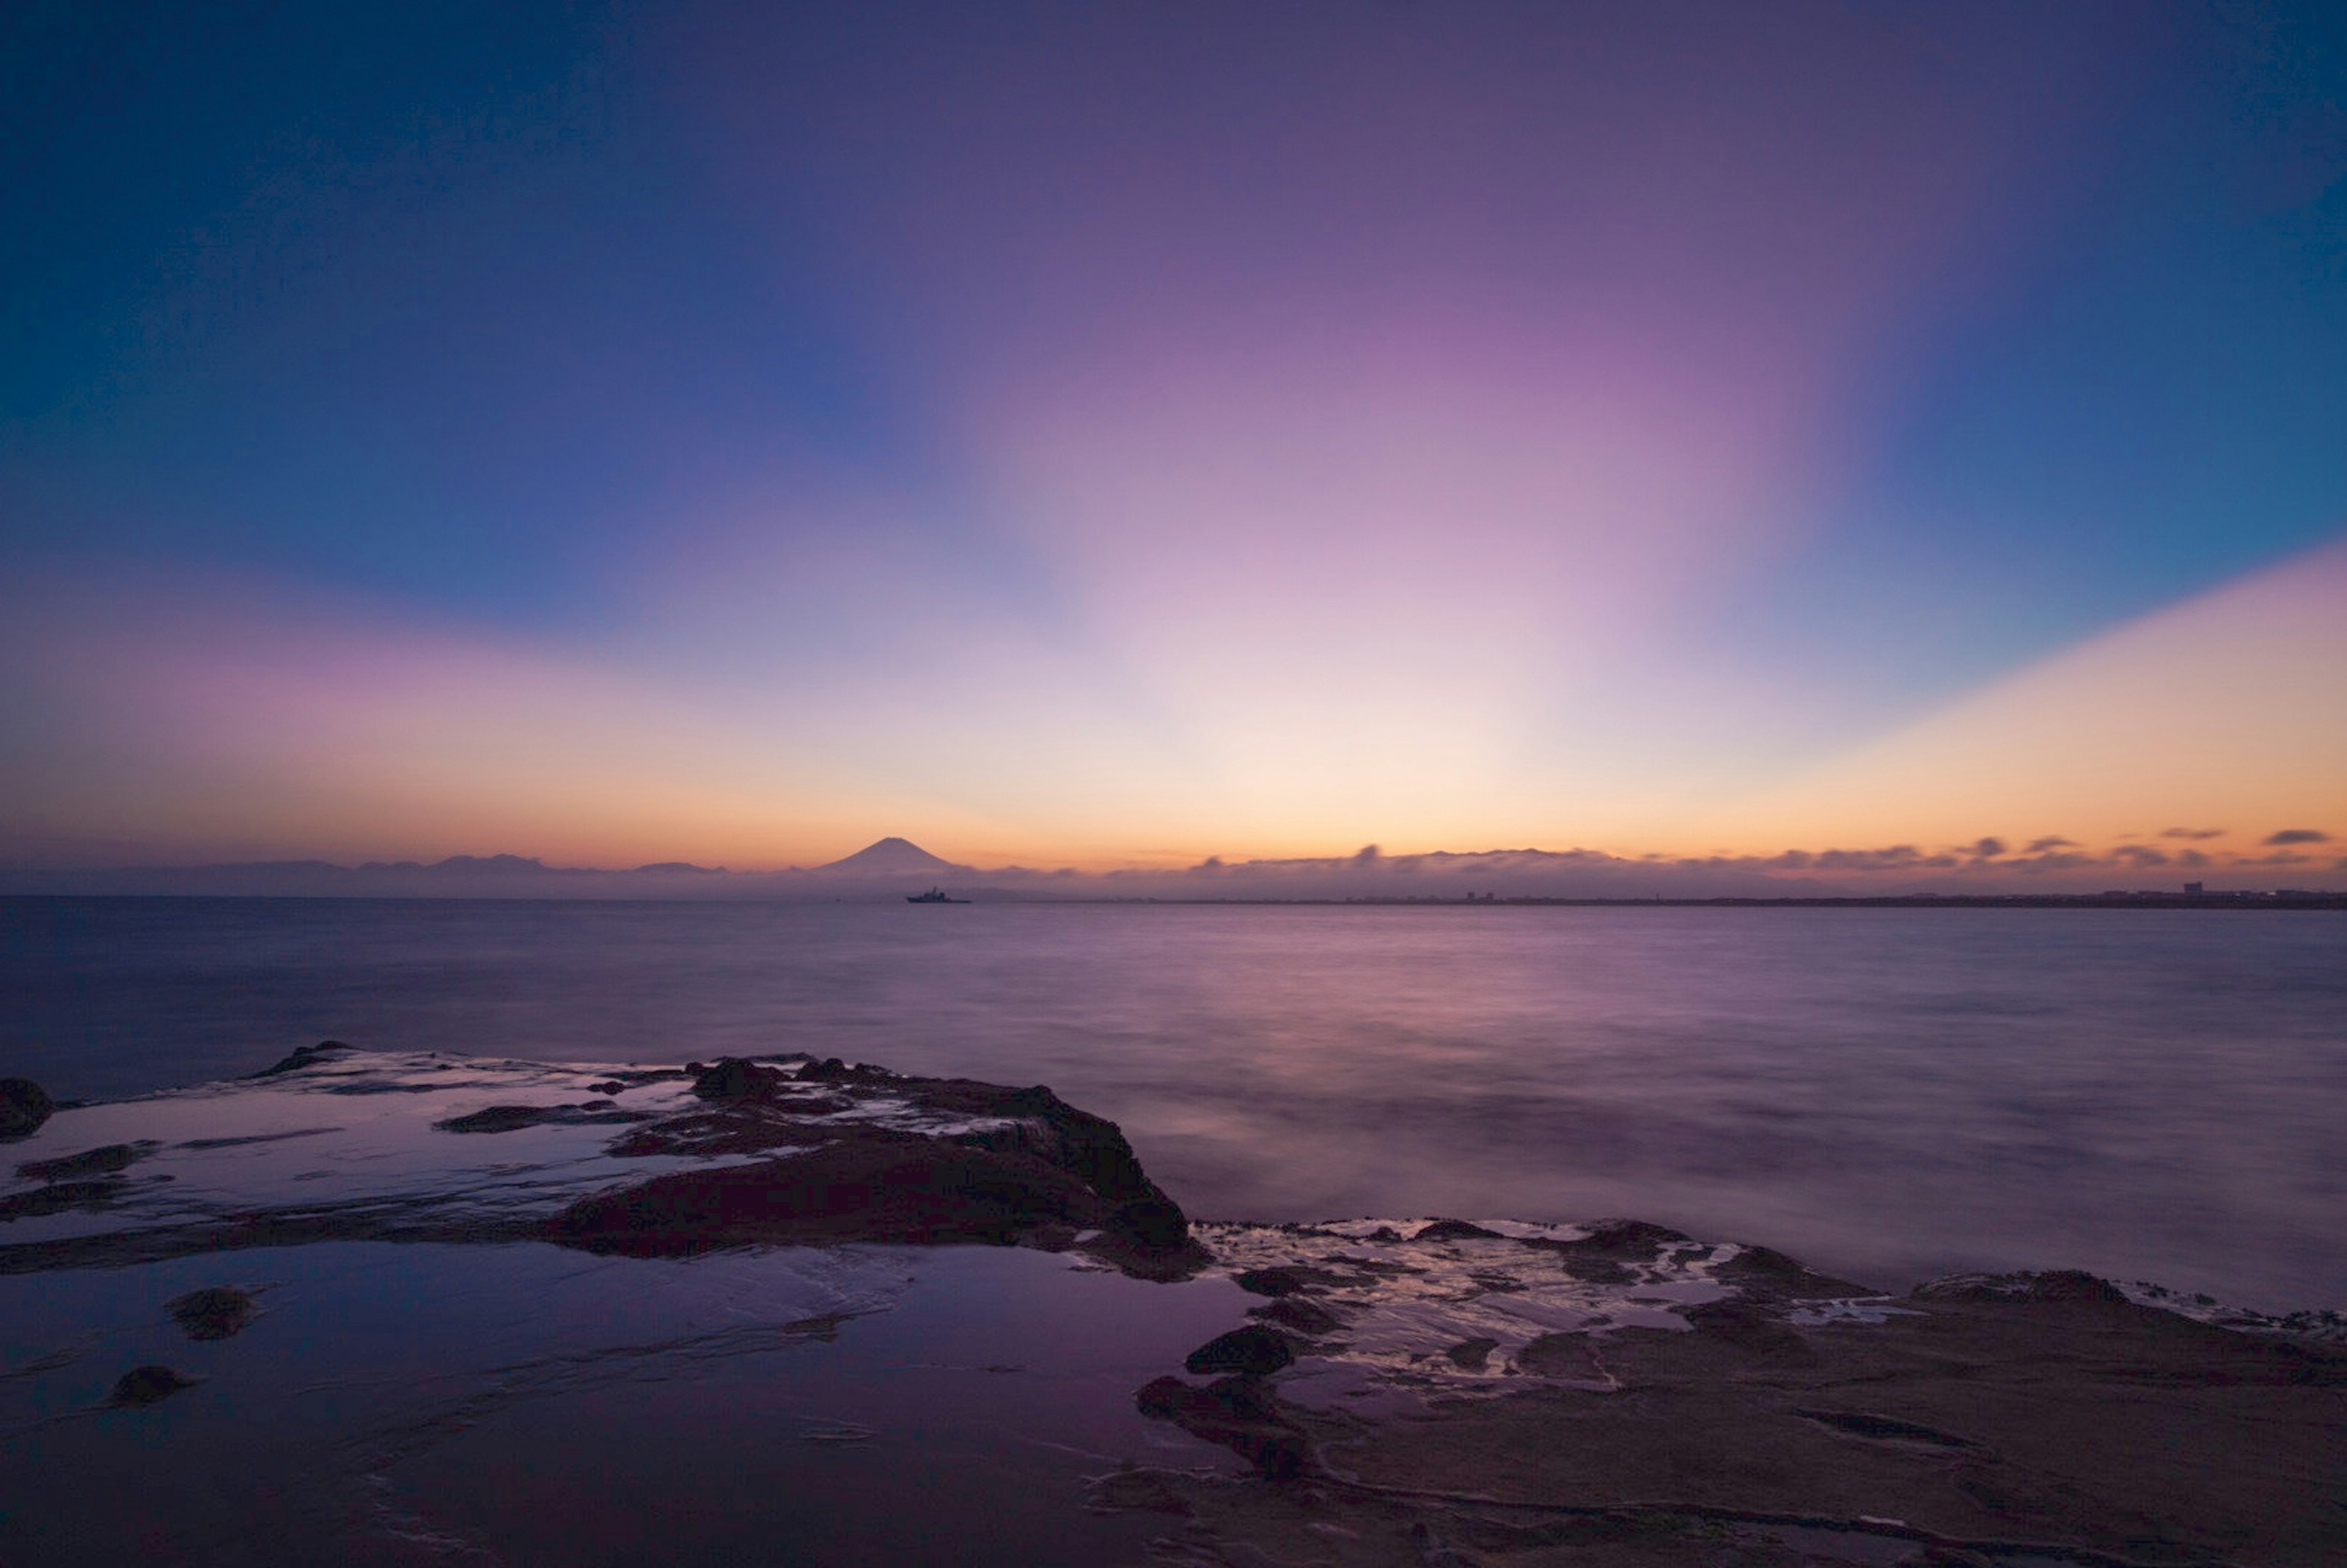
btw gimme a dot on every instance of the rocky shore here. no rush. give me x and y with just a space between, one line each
1620 1393
1408 1392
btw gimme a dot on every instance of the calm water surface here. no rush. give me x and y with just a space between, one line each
1888 1093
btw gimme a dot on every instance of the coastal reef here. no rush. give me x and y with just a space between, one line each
867 1156
1500 1393
333 1143
498 1292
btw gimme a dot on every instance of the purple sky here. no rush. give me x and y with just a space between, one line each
1121 434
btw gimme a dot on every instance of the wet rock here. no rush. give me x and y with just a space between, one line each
215 1312
1156 1222
879 1186
1765 1270
24 1106
1300 1313
610 1087
510 1118
1255 1350
1454 1230
302 1056
1238 1413
1561 1356
2064 1284
1471 1355
100 1162
59 1197
831 1070
1283 1279
737 1078
143 1386
1091 1147
1621 1238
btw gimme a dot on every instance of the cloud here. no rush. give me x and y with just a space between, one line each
2191 833
2054 860
2050 841
1985 848
2137 856
2296 835
1897 857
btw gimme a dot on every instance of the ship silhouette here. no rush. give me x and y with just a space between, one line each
933 895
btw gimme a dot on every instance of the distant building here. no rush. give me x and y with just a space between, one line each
2194 889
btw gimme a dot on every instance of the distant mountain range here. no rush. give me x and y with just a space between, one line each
892 857
893 867
889 866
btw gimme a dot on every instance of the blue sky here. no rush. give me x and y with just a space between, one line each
1641 410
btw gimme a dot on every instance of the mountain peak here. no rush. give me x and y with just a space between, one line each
892 857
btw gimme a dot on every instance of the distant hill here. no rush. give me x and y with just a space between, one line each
892 857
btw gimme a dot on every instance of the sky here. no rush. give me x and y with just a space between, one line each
1114 436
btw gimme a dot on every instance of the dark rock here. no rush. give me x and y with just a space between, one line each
1254 1351
59 1197
1156 1223
737 1078
1763 1268
509 1118
1561 1356
143 1386
99 1162
1236 1412
1471 1355
610 1087
215 1312
24 1106
304 1056
1092 1147
1623 1238
881 1186
1454 1230
2056 1285
831 1070
1282 1279
1300 1313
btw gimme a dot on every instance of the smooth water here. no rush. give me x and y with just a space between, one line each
1886 1093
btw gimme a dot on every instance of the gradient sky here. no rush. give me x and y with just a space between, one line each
1115 434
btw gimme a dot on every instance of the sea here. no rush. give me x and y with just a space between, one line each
1888 1094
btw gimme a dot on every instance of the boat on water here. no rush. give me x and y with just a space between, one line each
933 895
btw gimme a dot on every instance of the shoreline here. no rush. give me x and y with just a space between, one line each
1403 1392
